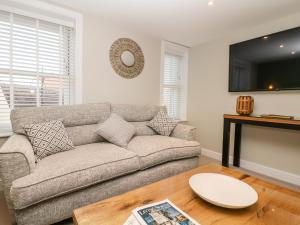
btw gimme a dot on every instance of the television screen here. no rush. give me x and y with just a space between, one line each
267 63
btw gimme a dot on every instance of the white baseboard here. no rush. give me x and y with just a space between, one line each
258 168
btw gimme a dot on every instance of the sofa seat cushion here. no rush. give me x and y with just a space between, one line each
157 149
72 170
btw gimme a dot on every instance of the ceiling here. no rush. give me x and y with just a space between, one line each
188 22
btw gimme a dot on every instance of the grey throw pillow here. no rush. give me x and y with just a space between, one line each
162 123
116 130
48 138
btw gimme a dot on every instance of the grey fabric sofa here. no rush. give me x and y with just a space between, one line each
47 192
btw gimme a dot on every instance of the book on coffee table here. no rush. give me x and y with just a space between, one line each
159 213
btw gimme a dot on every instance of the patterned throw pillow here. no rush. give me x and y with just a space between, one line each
162 123
48 138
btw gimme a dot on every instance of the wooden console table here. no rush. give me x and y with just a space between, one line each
257 121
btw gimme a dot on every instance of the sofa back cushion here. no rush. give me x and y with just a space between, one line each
81 121
71 115
136 113
141 129
85 134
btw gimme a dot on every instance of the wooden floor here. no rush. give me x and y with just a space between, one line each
4 218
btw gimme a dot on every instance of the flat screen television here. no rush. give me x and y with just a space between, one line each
268 63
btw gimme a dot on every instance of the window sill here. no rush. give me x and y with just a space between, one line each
5 135
181 121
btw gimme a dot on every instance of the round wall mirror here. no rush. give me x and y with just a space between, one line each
127 58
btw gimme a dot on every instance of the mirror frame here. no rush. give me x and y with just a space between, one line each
116 50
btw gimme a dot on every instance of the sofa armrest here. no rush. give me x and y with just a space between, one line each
16 160
185 132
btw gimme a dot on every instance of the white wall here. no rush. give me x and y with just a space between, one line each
209 99
100 82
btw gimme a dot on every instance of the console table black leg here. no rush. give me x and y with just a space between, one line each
226 139
237 145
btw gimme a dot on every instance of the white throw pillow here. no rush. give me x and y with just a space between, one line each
48 138
116 130
162 123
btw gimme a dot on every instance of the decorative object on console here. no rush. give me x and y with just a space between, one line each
126 58
48 138
274 116
162 123
244 105
223 191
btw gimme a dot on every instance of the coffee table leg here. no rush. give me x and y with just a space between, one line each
237 145
74 219
226 139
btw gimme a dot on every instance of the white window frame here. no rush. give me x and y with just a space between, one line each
172 48
55 14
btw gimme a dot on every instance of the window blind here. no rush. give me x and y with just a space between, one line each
172 85
36 66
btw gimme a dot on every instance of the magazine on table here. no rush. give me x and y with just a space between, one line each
132 221
159 213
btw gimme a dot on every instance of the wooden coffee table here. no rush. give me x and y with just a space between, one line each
276 205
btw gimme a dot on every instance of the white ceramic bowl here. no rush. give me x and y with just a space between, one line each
222 190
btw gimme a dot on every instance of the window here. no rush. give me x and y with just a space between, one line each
36 66
174 79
